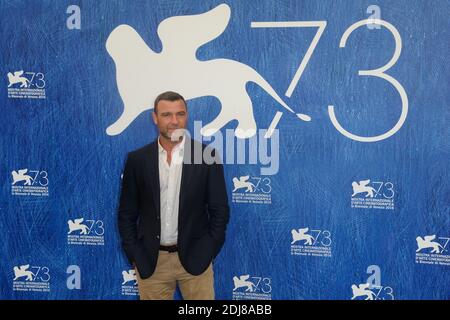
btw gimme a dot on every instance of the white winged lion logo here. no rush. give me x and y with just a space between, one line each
138 70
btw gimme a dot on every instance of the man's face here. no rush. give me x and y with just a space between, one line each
171 115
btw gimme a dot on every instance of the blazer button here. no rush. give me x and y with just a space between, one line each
157 237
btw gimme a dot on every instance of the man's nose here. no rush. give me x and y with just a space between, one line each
174 119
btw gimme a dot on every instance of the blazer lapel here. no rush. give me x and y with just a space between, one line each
186 174
152 175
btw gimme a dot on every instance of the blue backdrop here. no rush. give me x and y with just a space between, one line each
358 204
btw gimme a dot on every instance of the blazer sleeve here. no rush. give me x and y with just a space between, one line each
128 209
217 202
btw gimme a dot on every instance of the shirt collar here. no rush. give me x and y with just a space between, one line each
179 146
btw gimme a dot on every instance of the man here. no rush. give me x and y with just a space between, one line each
173 211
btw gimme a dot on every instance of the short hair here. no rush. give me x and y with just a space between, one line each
169 96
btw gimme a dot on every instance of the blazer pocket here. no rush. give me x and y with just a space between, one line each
199 234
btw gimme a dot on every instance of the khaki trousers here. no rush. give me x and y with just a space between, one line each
169 271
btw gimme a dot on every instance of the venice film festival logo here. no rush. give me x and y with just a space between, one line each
316 243
26 85
372 289
248 287
373 195
89 232
29 183
31 278
252 189
129 283
432 250
225 79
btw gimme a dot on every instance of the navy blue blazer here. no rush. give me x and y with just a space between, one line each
203 210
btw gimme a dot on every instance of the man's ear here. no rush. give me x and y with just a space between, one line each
154 118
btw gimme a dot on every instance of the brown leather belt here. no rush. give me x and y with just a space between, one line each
173 248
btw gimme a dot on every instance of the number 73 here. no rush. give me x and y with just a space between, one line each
379 73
